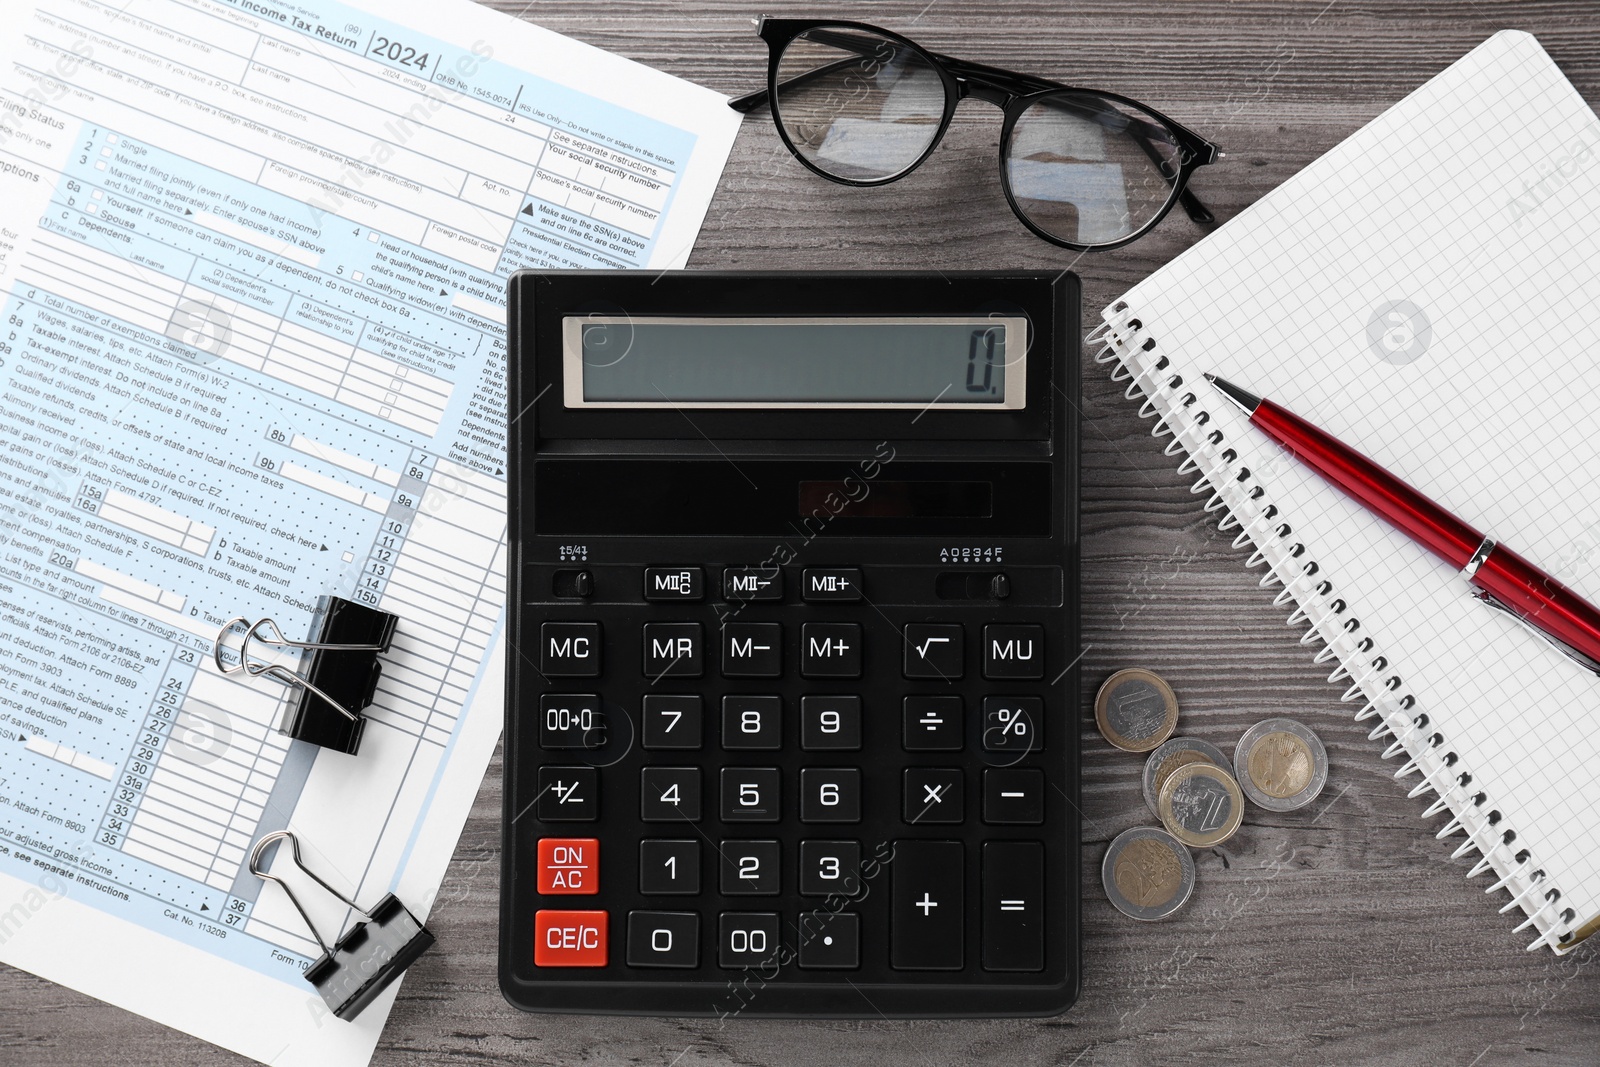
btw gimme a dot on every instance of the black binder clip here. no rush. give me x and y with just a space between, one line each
338 674
363 962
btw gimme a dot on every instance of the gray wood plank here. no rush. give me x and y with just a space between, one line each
1342 933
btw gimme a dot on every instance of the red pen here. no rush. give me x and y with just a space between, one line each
1504 579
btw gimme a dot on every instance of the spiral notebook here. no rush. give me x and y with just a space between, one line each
1428 291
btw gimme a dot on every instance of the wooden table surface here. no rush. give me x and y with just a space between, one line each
1339 934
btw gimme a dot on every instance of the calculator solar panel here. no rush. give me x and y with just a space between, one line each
791 719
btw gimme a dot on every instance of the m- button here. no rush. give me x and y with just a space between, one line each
569 649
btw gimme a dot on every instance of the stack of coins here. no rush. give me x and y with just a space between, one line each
1193 788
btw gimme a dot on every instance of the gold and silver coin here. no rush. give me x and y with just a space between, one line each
1169 756
1147 874
1281 764
1201 805
1136 710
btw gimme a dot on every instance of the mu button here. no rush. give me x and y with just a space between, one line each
569 865
569 938
1013 650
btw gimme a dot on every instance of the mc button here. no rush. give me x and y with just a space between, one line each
569 649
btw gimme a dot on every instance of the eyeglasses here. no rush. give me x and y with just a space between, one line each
1083 169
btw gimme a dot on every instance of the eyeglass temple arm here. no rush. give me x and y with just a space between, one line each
1011 81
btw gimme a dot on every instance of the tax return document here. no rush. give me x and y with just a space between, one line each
252 256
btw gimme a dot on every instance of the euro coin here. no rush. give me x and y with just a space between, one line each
1136 710
1172 754
1281 764
1200 804
1147 874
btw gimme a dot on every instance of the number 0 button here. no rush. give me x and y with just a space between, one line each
663 939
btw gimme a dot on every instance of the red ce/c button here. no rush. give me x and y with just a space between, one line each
569 865
569 938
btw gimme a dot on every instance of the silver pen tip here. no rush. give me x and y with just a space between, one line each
1244 400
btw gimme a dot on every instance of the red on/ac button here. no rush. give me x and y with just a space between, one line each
569 938
569 865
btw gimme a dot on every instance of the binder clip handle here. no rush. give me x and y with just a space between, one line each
294 853
255 667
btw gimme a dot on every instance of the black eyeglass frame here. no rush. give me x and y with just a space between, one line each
1008 90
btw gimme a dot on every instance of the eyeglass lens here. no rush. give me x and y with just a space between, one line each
856 105
1090 170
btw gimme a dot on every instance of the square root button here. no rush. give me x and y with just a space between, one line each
569 938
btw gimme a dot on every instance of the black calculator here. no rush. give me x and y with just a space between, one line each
791 723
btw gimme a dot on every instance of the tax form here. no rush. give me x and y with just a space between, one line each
252 257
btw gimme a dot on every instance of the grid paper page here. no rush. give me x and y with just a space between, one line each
1476 200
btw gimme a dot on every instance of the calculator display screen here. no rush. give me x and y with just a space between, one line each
972 362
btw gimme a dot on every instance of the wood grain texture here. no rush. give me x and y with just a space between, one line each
1339 934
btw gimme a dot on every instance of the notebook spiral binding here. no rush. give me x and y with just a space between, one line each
1235 490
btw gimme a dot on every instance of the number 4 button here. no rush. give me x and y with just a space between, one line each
669 794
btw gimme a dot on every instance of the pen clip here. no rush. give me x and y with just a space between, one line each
1565 649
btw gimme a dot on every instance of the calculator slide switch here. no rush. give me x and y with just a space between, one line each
569 865
569 938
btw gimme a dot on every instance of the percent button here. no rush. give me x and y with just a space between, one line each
1013 724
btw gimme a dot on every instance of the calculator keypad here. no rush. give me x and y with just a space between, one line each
800 780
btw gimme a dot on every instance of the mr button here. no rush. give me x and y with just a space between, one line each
569 938
569 865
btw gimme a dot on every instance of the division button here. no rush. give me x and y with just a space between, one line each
674 583
1013 796
1013 906
934 650
926 906
752 649
569 938
674 650
569 794
830 940
569 649
1013 650
931 724
569 865
839 584
663 939
830 650
752 583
